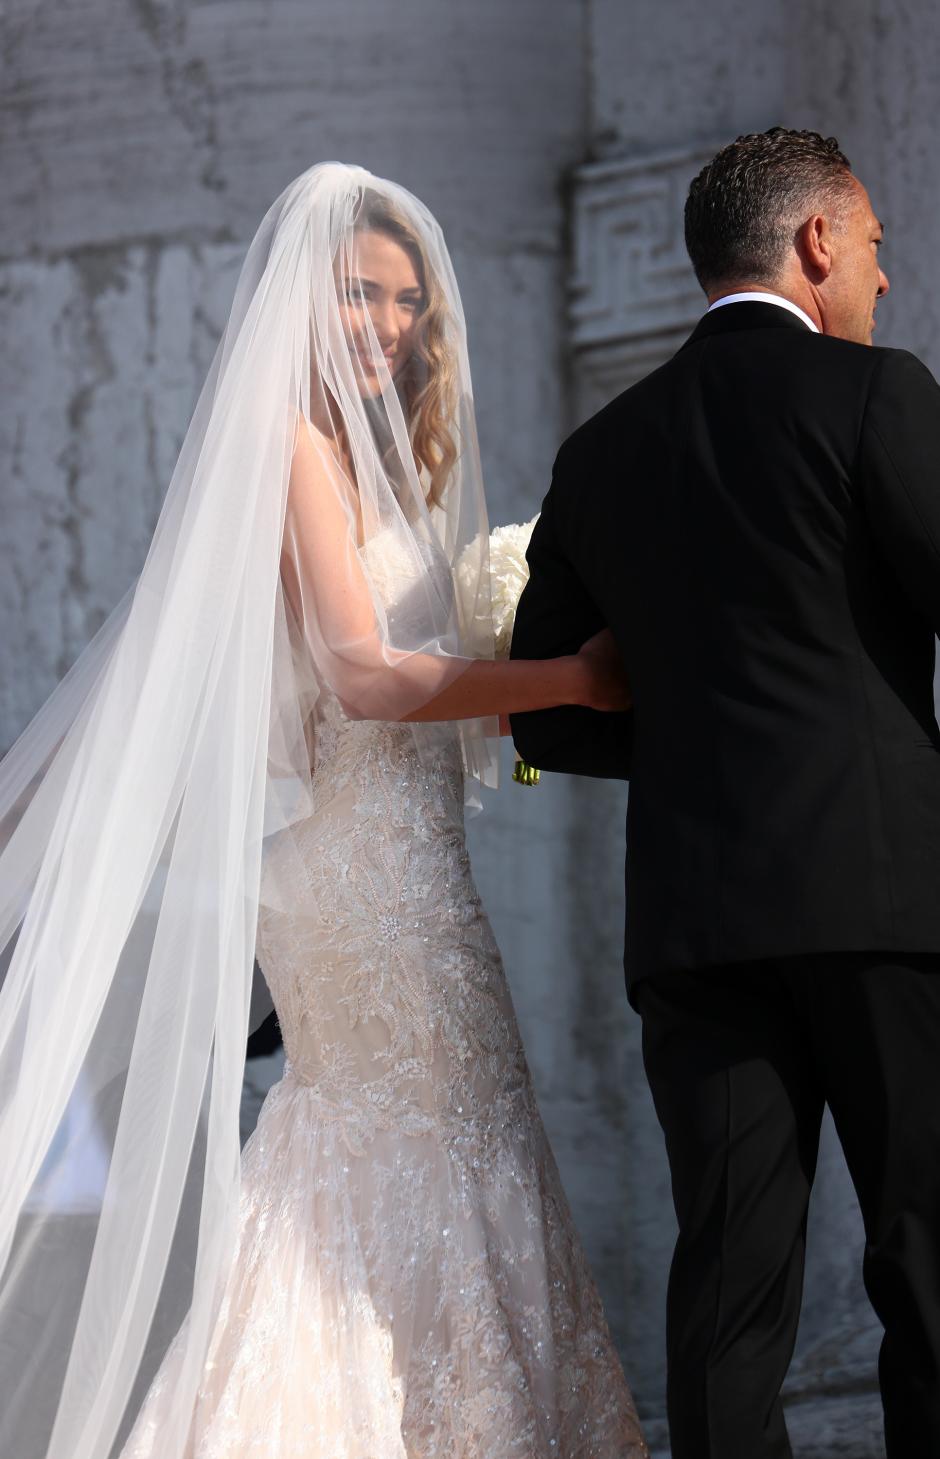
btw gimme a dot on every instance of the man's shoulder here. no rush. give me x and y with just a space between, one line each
900 364
803 349
811 360
869 359
609 420
880 373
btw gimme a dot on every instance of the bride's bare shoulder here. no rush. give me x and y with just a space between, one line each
308 436
316 454
319 479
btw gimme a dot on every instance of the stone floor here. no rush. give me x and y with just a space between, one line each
847 1426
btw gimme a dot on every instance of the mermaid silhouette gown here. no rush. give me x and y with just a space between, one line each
408 1282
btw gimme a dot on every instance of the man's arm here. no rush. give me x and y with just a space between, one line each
556 616
899 474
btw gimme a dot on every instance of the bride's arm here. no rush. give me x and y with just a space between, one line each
592 678
330 596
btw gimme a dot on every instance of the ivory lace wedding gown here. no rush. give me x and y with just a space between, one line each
408 1283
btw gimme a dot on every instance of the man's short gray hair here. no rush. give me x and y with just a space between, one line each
745 206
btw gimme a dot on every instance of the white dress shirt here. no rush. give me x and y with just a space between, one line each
754 296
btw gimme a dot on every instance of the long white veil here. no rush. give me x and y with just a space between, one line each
136 808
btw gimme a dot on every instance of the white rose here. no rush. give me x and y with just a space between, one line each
509 573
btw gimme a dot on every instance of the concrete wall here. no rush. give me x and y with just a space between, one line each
868 72
865 72
141 144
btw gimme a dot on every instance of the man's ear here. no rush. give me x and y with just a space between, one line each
814 245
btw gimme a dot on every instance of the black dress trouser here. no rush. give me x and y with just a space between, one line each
741 1061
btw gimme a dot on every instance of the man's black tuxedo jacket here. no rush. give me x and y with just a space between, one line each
759 524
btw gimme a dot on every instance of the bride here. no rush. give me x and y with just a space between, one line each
266 750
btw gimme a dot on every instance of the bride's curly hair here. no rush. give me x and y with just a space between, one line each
427 384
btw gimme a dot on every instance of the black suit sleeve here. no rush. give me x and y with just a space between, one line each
555 616
899 472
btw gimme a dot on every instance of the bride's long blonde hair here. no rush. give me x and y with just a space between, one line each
428 382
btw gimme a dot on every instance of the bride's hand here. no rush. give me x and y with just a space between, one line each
606 678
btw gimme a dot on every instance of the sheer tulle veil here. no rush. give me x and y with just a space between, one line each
136 810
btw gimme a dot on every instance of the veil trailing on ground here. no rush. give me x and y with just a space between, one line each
136 808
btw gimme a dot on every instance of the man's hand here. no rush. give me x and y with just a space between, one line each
607 685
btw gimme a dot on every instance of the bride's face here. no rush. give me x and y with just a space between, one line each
382 289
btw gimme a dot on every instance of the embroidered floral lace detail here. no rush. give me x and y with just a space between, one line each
408 1282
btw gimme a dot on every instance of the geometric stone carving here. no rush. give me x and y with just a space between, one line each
632 276
633 296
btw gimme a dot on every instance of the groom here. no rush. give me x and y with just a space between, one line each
758 522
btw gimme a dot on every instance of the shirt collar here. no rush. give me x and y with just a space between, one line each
755 296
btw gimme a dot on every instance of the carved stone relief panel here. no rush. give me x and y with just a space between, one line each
634 297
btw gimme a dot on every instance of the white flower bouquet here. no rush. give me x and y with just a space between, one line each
509 573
